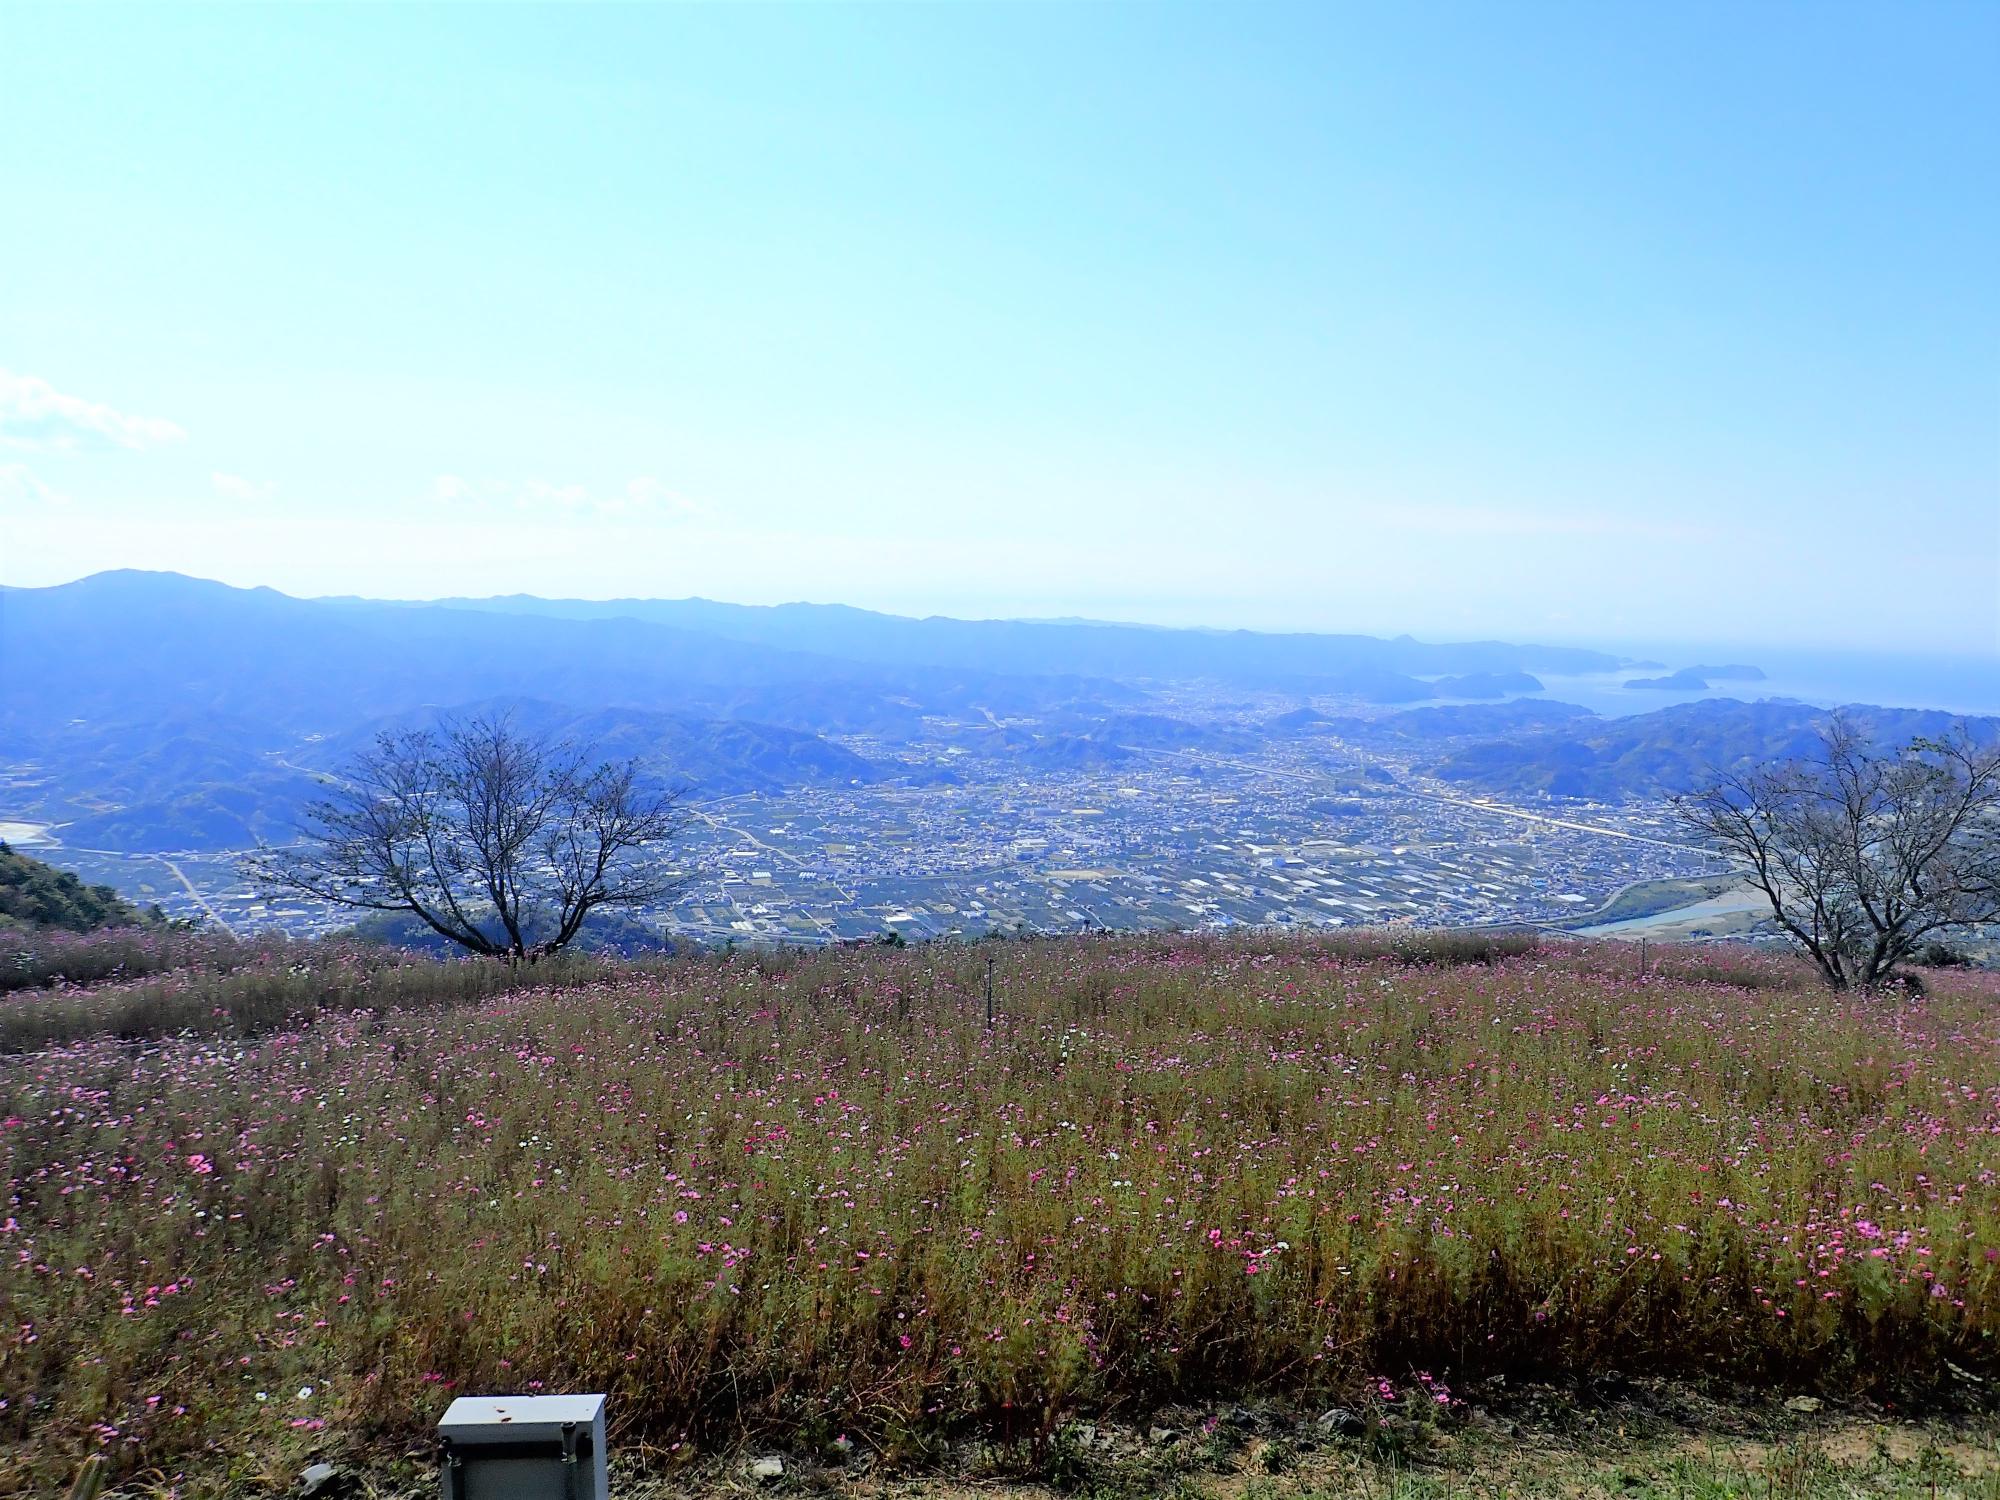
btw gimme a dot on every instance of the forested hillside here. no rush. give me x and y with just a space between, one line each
33 894
1608 760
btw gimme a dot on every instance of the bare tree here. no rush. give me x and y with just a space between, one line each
501 841
1864 855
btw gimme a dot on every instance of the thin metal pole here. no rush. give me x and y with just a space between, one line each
989 992
453 1468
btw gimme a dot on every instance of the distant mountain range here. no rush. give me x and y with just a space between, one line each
149 711
158 643
227 783
1672 750
160 711
1033 647
1441 724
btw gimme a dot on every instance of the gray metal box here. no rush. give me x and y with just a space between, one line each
524 1448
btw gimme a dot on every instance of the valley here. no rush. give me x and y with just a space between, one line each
1312 833
853 775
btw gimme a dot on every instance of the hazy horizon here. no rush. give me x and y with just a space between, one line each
1957 681
1540 324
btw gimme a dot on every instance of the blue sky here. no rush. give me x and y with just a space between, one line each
1579 322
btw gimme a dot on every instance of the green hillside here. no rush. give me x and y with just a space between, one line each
33 894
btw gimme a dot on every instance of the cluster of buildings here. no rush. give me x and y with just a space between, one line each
1302 831
1173 844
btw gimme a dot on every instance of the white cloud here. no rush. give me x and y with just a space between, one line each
236 487
34 414
19 485
646 495
448 489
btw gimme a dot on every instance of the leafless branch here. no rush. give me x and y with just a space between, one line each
1862 854
500 841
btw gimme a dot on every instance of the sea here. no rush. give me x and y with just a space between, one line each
1968 684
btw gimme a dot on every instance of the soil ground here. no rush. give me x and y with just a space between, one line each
1639 1439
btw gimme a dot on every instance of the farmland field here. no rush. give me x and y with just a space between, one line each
270 1204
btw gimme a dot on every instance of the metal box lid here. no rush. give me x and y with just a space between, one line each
519 1419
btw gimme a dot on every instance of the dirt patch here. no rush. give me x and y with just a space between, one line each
1638 1440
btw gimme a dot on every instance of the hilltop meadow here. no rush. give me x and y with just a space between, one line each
279 1201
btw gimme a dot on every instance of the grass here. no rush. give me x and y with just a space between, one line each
232 990
41 958
293 1202
158 982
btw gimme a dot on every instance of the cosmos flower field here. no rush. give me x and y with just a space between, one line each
806 1194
